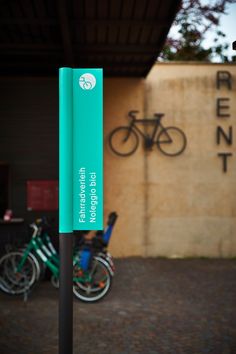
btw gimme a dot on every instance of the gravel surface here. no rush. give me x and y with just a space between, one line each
156 306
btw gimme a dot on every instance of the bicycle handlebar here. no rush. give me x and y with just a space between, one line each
35 228
132 114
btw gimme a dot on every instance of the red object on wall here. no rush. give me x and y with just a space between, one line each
42 195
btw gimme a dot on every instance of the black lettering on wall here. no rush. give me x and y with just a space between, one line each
220 107
223 78
227 136
224 156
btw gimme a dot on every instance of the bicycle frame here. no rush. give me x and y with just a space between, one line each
48 258
35 245
50 253
53 257
49 244
157 122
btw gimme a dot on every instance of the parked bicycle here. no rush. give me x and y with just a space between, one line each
124 140
20 270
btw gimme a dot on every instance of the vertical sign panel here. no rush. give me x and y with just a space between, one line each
65 150
88 149
85 139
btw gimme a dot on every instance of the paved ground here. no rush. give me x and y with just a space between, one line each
156 306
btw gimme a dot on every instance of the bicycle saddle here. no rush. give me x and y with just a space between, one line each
159 115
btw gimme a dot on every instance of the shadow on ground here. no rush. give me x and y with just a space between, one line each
156 306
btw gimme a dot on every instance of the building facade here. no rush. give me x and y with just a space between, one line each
182 206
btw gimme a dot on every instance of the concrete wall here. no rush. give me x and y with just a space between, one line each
124 177
174 206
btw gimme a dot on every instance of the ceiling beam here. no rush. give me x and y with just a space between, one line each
39 65
55 56
29 21
28 68
65 33
30 46
83 22
139 48
145 49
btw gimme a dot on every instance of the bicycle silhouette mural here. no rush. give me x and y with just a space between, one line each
124 140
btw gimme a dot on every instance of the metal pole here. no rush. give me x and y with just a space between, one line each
66 294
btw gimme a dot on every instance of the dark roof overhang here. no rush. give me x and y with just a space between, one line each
124 37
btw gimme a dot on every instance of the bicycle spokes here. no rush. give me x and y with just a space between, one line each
165 137
98 282
123 141
12 280
171 141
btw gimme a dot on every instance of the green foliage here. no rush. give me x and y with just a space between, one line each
194 20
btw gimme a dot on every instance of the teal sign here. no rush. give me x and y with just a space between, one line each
80 149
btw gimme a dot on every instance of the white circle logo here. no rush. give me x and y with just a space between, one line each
87 81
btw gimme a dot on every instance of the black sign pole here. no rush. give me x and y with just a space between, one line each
66 294
65 212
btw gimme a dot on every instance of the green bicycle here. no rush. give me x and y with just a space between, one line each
20 270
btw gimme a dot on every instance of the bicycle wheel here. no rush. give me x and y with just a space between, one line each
109 260
15 282
99 284
40 267
55 281
171 141
123 141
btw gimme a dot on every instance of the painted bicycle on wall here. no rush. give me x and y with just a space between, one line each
124 141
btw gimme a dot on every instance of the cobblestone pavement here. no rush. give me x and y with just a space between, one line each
156 306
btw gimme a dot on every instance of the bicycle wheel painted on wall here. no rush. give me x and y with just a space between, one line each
171 141
123 141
